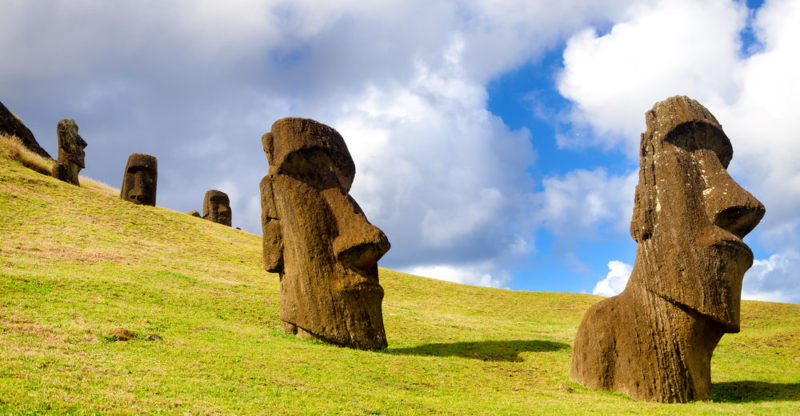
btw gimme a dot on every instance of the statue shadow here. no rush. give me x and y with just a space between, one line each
754 391
481 350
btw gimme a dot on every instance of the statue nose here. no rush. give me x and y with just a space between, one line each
361 251
359 244
731 207
740 219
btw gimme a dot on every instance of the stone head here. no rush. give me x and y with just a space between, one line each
690 215
70 144
140 180
217 207
317 237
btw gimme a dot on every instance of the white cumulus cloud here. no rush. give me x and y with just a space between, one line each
672 47
774 279
477 275
616 279
581 201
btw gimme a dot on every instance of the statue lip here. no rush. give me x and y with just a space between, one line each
734 244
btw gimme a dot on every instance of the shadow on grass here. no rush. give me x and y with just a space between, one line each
754 391
481 350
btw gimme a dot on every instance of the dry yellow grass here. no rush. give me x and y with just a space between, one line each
99 186
13 149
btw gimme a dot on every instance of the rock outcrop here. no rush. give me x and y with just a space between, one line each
654 341
140 179
217 207
12 126
318 239
71 157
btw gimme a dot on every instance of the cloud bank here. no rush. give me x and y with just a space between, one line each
196 83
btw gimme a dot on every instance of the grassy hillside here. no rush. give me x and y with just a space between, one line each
78 264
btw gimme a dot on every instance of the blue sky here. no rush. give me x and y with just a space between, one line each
495 142
518 97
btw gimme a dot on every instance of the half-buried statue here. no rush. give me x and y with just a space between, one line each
318 239
217 207
654 340
71 157
140 180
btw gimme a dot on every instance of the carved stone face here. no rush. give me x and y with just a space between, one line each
140 180
690 215
71 157
217 207
318 239
70 144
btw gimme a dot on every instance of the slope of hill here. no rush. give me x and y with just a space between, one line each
78 264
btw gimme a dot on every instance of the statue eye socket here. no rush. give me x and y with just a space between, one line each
313 166
700 135
136 169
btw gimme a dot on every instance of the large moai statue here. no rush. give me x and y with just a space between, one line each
318 239
654 340
217 207
71 157
140 179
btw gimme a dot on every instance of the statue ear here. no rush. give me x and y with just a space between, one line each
644 203
270 225
267 143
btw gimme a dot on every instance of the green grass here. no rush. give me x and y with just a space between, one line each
77 264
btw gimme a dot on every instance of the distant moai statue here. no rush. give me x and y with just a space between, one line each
194 213
217 207
318 239
140 179
654 341
71 157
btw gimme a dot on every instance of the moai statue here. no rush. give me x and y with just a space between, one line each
140 180
71 157
318 239
654 340
194 213
217 207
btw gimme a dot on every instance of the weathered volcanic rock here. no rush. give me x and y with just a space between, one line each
71 157
140 179
318 239
12 126
654 340
217 207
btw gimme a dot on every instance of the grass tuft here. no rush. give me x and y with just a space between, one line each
11 147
